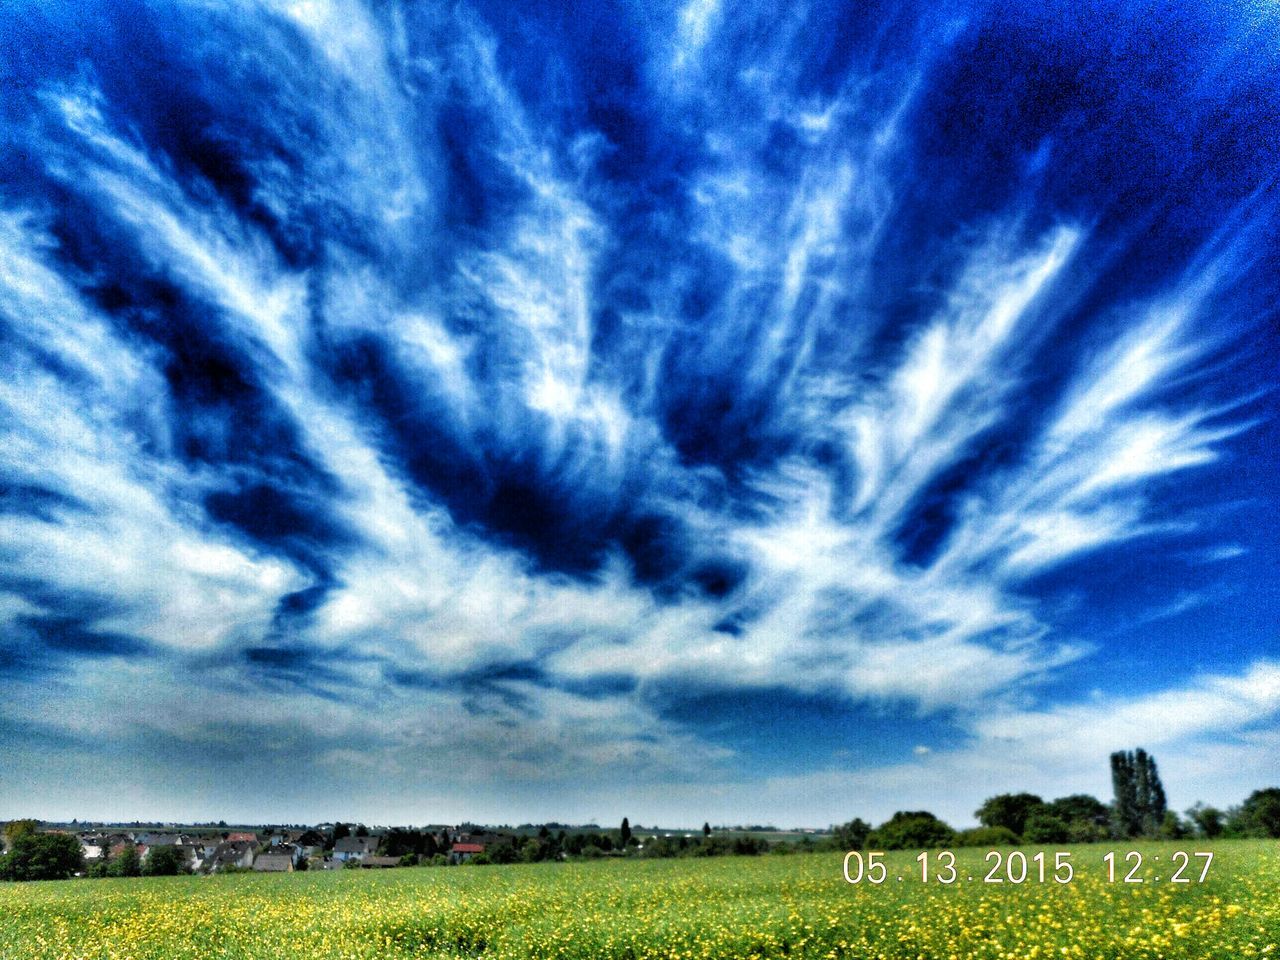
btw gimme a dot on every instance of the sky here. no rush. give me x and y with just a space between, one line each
745 413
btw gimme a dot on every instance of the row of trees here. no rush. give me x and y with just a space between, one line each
621 842
1139 810
38 856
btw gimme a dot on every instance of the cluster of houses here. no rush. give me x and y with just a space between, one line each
278 852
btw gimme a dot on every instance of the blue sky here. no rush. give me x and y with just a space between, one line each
694 412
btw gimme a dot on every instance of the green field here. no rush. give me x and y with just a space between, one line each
772 906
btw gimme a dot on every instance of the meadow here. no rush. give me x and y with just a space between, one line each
770 906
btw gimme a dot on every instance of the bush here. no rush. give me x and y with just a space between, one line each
1259 815
42 856
1173 827
1084 831
126 865
164 862
911 830
1046 828
500 853
1010 810
852 835
987 837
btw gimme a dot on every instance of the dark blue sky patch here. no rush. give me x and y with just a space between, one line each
297 523
298 669
789 732
33 500
71 637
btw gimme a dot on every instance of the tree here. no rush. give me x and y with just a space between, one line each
625 832
1208 820
911 829
1173 827
1087 818
1125 819
164 862
1259 815
1008 810
42 856
987 837
15 829
1044 827
1151 799
362 831
1140 803
706 829
1080 807
127 864
852 835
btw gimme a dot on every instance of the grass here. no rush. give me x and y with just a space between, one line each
792 906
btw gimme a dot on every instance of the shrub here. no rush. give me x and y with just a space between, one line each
987 837
911 830
164 862
1046 828
42 856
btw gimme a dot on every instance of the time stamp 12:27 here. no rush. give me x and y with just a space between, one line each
939 866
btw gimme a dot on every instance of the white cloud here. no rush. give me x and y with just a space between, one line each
830 602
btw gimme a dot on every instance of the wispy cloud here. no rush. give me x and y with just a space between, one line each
404 391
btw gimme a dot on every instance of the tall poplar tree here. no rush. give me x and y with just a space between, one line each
1140 802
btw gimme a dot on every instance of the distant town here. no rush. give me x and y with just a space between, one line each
138 849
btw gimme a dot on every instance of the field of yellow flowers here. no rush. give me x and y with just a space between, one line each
772 906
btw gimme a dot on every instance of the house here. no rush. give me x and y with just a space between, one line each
147 842
95 846
191 855
354 848
231 853
380 862
310 843
207 848
157 839
290 850
242 838
274 862
462 852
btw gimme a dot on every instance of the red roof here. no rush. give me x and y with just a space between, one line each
244 837
467 848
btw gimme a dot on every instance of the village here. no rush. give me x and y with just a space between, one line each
32 850
326 846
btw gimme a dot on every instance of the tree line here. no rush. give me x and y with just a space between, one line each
1138 810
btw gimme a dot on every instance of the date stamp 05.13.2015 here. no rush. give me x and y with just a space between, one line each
1015 866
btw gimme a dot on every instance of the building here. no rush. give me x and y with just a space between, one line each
311 843
275 861
462 852
354 848
231 853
